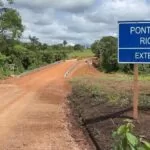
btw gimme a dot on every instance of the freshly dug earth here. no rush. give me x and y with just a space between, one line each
102 130
102 118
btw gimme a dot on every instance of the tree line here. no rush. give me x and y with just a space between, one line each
106 51
17 56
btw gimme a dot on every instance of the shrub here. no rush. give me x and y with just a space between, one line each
124 139
106 50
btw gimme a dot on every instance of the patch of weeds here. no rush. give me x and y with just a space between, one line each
94 91
144 100
82 89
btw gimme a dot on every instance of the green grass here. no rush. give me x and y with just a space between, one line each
99 96
144 77
81 54
114 88
124 77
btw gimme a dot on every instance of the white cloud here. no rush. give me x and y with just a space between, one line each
68 5
110 11
78 21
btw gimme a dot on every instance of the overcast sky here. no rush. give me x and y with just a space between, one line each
78 21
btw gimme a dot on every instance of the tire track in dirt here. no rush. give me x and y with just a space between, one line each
12 102
33 115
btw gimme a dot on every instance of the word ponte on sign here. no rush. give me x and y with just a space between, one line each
140 30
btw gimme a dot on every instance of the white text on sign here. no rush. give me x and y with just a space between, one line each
144 55
141 30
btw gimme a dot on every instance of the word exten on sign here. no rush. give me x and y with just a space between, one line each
134 42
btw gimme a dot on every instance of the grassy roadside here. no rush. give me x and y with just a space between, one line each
124 77
116 89
96 99
7 74
112 90
75 54
81 54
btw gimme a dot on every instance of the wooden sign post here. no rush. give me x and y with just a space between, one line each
134 48
135 92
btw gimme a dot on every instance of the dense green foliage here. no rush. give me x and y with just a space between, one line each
108 90
106 50
26 56
105 96
16 56
78 47
126 140
81 54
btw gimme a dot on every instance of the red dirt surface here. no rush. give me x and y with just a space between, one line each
85 68
33 112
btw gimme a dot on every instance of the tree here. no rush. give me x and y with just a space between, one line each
106 50
9 1
64 42
2 59
96 48
10 21
34 40
44 46
11 27
11 24
57 47
109 53
78 47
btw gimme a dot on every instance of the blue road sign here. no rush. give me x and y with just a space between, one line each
134 42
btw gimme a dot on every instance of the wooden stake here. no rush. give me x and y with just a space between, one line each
135 92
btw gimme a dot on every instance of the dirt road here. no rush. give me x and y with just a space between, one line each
32 112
